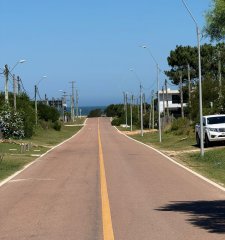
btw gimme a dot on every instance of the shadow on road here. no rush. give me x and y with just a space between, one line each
209 215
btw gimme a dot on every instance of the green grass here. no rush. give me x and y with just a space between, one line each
170 141
212 165
12 164
50 137
77 121
43 140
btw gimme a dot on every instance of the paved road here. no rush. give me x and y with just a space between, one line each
134 193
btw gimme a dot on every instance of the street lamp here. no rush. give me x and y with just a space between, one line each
35 97
200 78
157 68
6 73
141 98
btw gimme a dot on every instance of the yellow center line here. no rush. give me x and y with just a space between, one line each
106 214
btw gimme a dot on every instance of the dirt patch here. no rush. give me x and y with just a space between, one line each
139 132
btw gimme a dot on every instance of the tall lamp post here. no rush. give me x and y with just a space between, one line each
157 68
35 97
6 73
200 78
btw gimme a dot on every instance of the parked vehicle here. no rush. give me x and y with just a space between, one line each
213 129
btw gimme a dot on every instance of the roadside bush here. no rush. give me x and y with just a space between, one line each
47 113
11 123
95 113
181 126
57 126
116 122
114 110
28 117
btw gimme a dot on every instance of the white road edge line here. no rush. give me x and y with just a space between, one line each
36 160
173 161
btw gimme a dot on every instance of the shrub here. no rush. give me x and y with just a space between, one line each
11 123
57 126
47 113
116 122
95 113
181 126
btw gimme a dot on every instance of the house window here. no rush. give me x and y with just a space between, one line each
175 98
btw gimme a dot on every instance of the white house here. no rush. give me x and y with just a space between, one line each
173 98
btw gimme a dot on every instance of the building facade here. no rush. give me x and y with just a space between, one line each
171 100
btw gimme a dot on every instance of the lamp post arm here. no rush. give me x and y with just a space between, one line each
20 61
189 11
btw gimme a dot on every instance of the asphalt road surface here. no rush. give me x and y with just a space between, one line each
102 185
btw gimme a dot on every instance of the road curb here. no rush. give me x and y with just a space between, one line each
175 162
37 159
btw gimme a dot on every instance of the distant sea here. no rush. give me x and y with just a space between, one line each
86 110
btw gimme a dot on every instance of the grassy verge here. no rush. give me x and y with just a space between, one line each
15 156
170 141
182 149
212 165
50 137
77 121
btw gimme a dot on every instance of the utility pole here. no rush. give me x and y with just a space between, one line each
164 114
62 109
46 99
18 85
189 86
138 109
77 99
153 111
64 102
6 73
35 103
163 98
126 108
72 101
159 118
131 112
220 78
71 111
181 96
14 91
141 98
150 115
124 101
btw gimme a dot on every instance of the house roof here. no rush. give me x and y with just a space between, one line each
169 91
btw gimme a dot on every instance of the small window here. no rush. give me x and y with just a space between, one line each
175 98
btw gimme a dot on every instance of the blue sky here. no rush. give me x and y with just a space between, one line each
94 43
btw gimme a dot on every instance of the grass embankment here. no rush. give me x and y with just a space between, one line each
15 155
182 149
